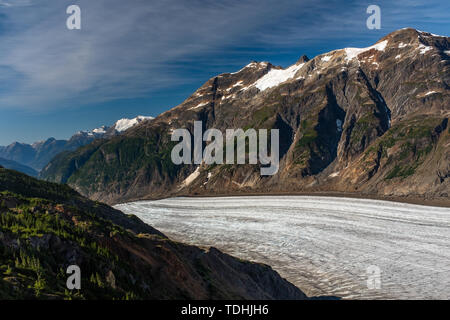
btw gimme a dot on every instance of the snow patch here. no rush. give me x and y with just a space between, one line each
326 58
237 84
354 52
423 48
229 97
207 178
429 92
432 34
402 45
199 105
194 175
275 76
398 56
334 174
252 65
125 124
101 130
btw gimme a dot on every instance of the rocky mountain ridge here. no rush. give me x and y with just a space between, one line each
370 121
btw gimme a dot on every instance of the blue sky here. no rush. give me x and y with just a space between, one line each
140 57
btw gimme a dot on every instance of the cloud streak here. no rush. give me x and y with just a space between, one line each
129 49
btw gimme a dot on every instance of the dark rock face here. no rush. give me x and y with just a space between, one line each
372 121
46 227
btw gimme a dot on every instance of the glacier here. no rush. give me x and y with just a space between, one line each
323 245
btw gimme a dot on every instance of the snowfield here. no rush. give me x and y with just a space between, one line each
125 124
275 77
324 245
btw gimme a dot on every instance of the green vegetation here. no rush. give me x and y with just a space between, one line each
363 127
39 236
119 256
413 142
121 160
401 172
263 118
309 134
30 187
306 143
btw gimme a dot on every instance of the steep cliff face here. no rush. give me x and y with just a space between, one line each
46 227
372 121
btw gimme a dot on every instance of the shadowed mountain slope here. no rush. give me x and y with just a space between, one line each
371 121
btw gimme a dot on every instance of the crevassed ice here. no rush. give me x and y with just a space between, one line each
324 245
274 77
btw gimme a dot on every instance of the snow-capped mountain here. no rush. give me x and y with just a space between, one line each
125 124
37 155
368 120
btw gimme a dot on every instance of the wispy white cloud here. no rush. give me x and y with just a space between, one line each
135 47
15 3
123 49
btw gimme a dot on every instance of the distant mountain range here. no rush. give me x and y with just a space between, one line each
37 155
10 164
370 121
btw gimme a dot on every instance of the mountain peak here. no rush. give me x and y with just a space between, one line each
410 34
303 59
372 120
